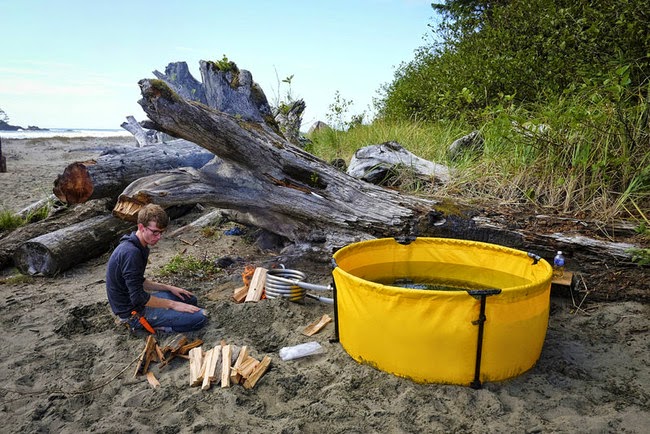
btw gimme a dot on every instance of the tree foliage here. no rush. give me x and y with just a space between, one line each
3 116
560 89
499 52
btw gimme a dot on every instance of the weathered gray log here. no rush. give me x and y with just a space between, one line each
51 202
289 119
274 184
10 241
211 218
177 75
54 252
233 91
133 127
378 163
583 249
110 173
225 88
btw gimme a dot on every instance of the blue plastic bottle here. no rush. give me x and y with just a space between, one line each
558 265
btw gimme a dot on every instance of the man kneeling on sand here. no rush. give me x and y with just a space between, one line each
138 301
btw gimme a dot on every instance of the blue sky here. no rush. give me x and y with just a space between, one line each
76 64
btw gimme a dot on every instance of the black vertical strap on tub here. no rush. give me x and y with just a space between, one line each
482 295
335 339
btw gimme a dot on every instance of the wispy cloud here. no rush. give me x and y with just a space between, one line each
50 78
26 86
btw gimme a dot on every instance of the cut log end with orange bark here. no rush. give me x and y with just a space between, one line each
74 185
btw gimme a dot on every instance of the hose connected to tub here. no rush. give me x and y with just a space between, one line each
286 283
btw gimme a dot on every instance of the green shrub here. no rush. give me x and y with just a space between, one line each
189 266
640 256
488 54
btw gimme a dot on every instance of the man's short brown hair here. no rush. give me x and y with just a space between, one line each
153 213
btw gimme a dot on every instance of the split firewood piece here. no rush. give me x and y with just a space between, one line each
225 365
149 353
211 368
239 294
159 353
196 361
207 360
253 378
175 344
234 353
187 347
248 366
235 376
205 370
214 372
256 287
145 357
317 325
152 380
203 365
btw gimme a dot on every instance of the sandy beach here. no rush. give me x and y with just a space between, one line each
67 367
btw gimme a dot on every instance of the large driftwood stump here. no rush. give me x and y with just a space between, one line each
275 184
54 252
111 172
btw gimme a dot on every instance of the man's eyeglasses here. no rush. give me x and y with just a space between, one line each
155 231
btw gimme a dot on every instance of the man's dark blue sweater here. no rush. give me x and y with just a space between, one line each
125 277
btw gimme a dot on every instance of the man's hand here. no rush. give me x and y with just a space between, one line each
184 307
181 293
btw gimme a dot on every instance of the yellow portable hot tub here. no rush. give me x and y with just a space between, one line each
442 310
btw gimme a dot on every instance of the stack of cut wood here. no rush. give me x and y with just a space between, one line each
176 346
206 367
226 364
253 289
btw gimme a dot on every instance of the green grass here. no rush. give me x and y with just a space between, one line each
582 156
428 141
189 266
17 279
10 221
640 256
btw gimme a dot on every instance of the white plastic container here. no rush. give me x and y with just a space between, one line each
302 350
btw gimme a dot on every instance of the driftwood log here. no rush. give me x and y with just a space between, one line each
133 127
270 182
54 252
275 184
111 172
50 202
10 241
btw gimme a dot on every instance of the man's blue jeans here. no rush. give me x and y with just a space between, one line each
169 320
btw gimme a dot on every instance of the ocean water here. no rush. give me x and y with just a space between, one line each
64 132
